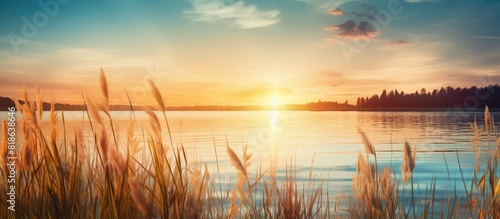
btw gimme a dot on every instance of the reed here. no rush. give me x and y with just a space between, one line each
140 200
409 157
4 143
487 121
104 87
369 148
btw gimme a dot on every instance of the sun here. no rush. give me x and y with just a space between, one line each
274 101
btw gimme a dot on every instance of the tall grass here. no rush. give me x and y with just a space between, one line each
105 175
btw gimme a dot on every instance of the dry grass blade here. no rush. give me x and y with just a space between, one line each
356 185
103 146
477 135
487 121
28 110
246 158
53 114
233 208
369 148
93 111
497 152
408 162
137 193
365 169
27 155
132 141
153 121
79 145
478 159
104 86
5 142
482 180
157 96
130 128
104 104
117 160
53 119
497 189
196 182
386 184
414 157
39 103
235 161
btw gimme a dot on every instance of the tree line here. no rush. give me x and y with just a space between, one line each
448 97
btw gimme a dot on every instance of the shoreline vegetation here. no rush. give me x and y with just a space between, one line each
102 175
445 99
286 107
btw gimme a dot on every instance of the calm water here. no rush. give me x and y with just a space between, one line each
327 142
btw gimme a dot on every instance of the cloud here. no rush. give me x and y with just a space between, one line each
353 30
362 25
336 12
240 14
488 37
69 70
398 42
325 5
330 28
419 1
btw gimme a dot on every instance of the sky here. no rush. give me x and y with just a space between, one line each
229 52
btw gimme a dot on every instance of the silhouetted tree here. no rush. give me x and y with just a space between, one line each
442 98
423 92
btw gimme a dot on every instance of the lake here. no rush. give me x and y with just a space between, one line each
325 142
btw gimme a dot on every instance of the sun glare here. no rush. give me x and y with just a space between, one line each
274 101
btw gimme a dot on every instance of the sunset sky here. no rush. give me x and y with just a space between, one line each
203 52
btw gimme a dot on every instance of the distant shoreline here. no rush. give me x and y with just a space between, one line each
311 110
453 109
319 106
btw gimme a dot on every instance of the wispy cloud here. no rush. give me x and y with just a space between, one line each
418 1
353 30
398 42
240 14
326 5
336 11
75 68
488 37
362 25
